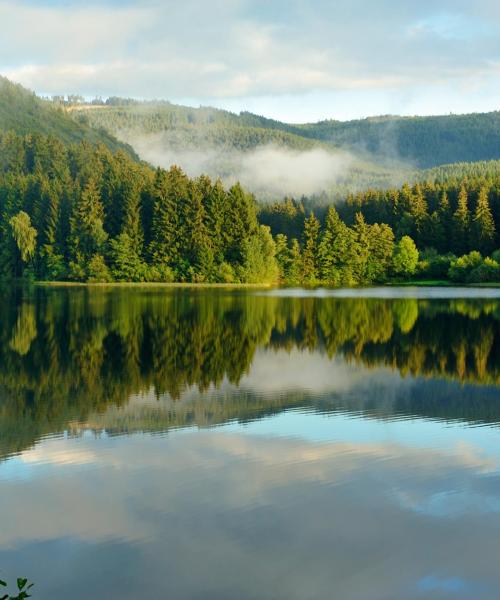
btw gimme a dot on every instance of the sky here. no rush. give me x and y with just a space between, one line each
294 60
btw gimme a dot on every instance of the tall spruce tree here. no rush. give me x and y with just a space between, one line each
483 225
170 196
87 229
361 248
461 223
310 251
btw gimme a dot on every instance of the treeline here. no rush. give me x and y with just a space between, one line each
454 224
82 213
422 141
187 127
67 355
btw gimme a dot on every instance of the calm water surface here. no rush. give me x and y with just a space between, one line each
248 445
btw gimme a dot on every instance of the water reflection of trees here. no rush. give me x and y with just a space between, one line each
67 353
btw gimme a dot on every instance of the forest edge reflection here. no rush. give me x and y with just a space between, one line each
72 356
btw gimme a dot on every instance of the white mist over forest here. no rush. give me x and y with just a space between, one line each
267 170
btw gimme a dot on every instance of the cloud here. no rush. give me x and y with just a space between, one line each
241 49
268 171
209 510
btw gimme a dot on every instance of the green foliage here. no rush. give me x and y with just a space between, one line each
461 223
24 235
483 225
472 268
97 270
85 214
311 249
259 263
23 590
24 113
461 268
405 258
68 355
127 265
434 266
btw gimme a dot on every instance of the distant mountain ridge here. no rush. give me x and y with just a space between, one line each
423 142
271 158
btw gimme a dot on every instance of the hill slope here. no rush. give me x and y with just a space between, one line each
423 142
24 113
268 157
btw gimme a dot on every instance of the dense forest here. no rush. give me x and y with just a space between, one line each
78 205
85 214
73 356
431 230
82 213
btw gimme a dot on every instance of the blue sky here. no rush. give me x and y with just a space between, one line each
297 60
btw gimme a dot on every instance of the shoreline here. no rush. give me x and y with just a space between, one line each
136 284
150 284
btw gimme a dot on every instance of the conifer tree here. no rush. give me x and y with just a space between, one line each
282 255
294 275
461 223
310 252
199 251
419 213
483 225
442 224
327 259
87 232
361 248
170 195
216 207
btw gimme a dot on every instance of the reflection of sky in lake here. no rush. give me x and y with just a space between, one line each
314 476
242 512
387 292
300 504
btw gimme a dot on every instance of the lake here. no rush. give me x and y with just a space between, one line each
250 444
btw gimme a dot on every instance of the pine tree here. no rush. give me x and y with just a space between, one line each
282 255
87 232
240 223
483 225
361 248
170 195
327 258
126 253
420 215
294 275
461 223
199 251
443 225
216 207
310 252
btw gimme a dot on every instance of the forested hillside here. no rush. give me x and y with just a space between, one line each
270 158
22 112
419 142
83 213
